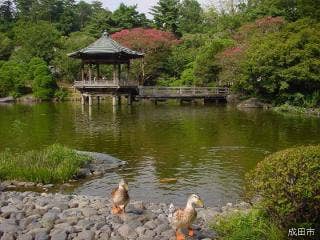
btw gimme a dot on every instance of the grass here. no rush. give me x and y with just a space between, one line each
286 108
54 164
251 225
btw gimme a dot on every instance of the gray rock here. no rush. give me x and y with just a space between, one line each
150 225
88 212
26 236
85 235
127 232
58 234
8 236
8 227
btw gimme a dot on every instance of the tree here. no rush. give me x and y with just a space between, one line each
166 15
6 11
126 17
43 84
68 69
13 78
191 16
6 47
35 40
284 65
156 45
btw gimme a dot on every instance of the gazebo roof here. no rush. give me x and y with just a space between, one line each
105 49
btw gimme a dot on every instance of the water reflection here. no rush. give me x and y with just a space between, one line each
207 148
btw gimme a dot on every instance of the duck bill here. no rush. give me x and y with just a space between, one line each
200 203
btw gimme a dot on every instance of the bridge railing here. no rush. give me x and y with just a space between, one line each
182 91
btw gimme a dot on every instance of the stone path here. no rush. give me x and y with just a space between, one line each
35 216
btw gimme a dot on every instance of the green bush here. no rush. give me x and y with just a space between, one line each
54 164
288 183
253 225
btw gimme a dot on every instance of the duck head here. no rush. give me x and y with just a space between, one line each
195 201
123 184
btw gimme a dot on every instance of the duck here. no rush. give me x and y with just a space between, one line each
183 218
120 197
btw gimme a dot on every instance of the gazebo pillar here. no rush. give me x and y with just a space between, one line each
114 74
119 74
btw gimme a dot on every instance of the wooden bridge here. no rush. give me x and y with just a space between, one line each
183 93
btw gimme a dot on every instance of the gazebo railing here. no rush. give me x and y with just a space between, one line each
104 84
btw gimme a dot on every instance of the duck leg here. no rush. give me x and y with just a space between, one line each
180 235
115 209
191 232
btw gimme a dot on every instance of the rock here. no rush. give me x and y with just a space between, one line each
150 225
251 103
86 235
8 227
40 234
127 232
7 99
8 236
58 234
88 212
233 98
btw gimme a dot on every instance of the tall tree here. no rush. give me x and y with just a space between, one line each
166 15
191 16
128 17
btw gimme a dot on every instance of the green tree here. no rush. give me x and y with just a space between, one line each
13 77
206 69
6 47
166 15
281 64
128 17
35 40
43 84
191 17
68 69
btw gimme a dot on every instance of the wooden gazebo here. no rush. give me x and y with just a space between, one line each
93 83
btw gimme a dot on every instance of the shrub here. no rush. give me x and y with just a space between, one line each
253 225
288 183
54 164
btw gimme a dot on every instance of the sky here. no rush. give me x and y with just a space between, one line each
143 5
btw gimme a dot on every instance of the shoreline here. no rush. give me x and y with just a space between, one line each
30 215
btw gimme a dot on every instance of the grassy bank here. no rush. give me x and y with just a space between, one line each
53 164
253 224
289 109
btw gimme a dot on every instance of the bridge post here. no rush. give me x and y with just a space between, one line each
90 100
83 99
116 100
129 99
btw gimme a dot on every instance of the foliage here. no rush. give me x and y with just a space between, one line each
253 224
206 70
35 40
13 76
69 69
283 63
166 15
191 16
156 45
288 183
61 94
54 164
43 84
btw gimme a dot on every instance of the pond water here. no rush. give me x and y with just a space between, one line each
208 149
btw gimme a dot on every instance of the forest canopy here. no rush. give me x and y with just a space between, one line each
264 48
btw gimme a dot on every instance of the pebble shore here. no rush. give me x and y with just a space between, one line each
48 216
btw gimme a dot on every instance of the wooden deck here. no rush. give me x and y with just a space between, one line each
161 93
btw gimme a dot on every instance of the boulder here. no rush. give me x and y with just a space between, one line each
251 103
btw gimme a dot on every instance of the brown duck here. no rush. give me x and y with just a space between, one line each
120 197
183 218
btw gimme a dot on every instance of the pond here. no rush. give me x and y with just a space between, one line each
208 149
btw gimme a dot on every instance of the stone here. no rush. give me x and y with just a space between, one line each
8 227
88 212
85 235
251 103
8 236
127 232
150 225
58 234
